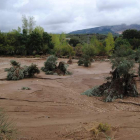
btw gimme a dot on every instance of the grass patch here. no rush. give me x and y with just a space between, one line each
7 127
25 88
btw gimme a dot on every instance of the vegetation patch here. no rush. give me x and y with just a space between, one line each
7 128
102 127
121 83
50 67
25 88
85 60
16 72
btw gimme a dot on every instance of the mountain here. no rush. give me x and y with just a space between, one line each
116 29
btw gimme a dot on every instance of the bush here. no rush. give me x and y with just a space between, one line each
37 55
123 51
103 127
16 72
50 66
121 83
7 128
14 63
80 62
30 71
25 88
137 55
63 67
85 60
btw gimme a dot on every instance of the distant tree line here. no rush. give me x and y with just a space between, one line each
133 37
32 40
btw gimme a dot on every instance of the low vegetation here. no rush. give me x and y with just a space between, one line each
103 129
50 66
16 72
8 130
121 83
25 88
85 60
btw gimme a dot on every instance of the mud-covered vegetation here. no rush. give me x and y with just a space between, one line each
51 67
16 72
121 82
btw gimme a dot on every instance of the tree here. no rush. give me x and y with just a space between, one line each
61 45
135 43
99 48
19 29
109 44
35 43
120 41
25 23
28 24
39 30
88 49
47 42
78 50
31 24
62 38
74 41
131 34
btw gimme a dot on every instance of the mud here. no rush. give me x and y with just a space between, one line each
54 109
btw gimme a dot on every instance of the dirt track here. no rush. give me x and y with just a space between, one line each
54 109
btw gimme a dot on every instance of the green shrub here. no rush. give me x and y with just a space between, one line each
63 67
137 55
25 88
121 82
37 55
50 64
16 72
85 60
15 63
80 62
30 71
50 67
103 127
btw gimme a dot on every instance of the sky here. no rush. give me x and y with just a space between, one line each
57 16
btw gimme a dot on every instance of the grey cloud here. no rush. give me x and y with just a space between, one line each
115 5
68 15
3 4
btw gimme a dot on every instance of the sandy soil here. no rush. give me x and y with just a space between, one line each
54 109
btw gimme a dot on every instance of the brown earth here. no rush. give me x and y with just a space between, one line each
54 109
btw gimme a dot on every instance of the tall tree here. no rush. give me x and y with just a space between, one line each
31 24
35 43
25 23
63 38
28 23
110 44
19 29
39 30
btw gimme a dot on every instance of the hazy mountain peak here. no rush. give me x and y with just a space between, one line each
115 29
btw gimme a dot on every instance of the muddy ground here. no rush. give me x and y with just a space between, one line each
54 109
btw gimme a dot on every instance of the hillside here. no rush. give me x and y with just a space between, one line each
116 29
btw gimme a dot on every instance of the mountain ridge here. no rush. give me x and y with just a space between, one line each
114 29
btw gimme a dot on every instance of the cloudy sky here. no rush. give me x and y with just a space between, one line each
58 16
